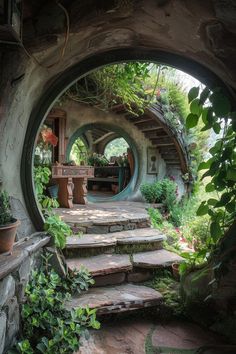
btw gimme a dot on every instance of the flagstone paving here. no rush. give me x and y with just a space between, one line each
131 336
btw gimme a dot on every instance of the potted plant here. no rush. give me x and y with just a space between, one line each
8 225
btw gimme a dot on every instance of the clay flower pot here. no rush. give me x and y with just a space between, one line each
7 236
175 271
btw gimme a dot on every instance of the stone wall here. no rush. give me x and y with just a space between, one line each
15 271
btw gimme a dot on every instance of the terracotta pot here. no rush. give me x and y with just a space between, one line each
175 271
7 236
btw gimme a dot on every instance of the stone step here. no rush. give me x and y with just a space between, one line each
137 236
103 264
117 299
109 225
155 259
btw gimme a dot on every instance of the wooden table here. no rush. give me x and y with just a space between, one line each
72 181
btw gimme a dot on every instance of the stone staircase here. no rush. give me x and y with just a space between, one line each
118 262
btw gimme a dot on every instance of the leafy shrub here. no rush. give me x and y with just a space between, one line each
5 212
165 192
151 192
48 327
97 160
196 231
58 229
156 217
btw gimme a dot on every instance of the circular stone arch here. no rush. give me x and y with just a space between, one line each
132 185
64 80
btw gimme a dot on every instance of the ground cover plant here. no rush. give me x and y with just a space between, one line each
48 326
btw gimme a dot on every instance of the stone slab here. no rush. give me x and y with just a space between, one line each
139 277
110 279
7 289
117 299
155 259
117 337
183 335
135 236
102 264
90 241
3 325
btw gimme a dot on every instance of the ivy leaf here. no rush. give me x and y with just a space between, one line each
212 201
196 107
231 207
203 209
215 230
221 104
204 114
210 187
205 164
216 128
193 93
191 121
204 95
225 199
231 174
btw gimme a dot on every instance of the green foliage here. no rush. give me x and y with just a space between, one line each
5 212
165 192
116 147
155 217
95 159
214 111
114 84
48 327
164 283
41 179
79 152
151 192
58 229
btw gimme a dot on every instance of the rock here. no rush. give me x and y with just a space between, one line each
7 289
116 228
195 285
118 337
155 259
110 279
130 226
117 299
139 277
3 323
99 229
102 264
182 335
13 321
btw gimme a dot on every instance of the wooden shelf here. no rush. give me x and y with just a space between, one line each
104 179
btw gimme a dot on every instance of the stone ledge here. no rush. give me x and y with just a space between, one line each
21 250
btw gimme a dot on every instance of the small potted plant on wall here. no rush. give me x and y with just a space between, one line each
8 225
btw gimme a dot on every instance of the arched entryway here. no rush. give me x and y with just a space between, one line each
70 76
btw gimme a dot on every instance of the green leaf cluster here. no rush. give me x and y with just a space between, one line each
214 110
58 229
42 176
165 192
5 210
48 326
